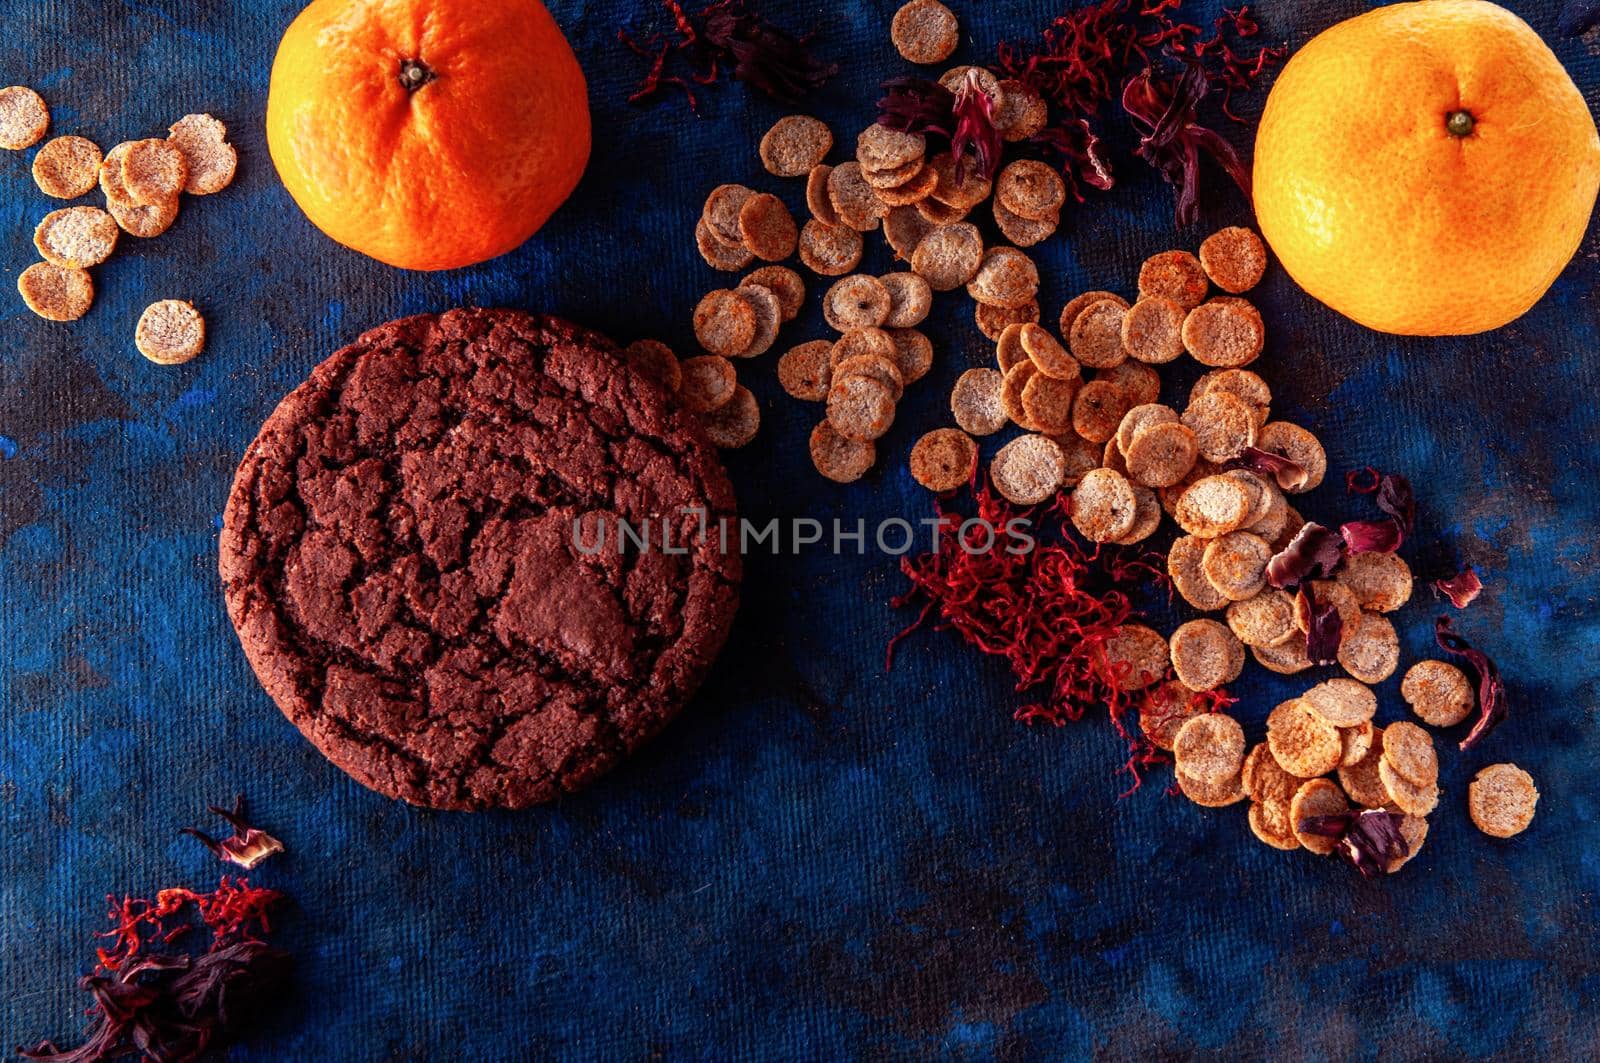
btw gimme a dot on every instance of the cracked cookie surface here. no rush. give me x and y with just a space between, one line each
421 556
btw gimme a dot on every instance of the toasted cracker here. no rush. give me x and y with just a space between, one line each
170 332
817 201
1213 506
1267 619
1360 779
1174 275
975 402
24 118
1047 353
1316 797
1183 565
767 228
870 365
1407 796
1234 258
860 407
76 237
794 145
1016 379
1006 278
904 228
1302 742
924 31
1337 595
721 211
993 320
1210 748
1164 709
1020 112
1047 403
913 353
147 222
1409 751
944 459
1438 692
910 299
829 250
724 322
1008 349
719 255
1342 702
1206 655
783 282
1236 564
657 361
1098 409
1021 231
961 186
1079 303
806 371
863 341
1226 334
1372 652
1380 581
1356 742
853 199
67 167
1264 778
1501 800
56 293
210 160
949 256
839 458
1135 657
880 148
1104 507
855 302
1299 446
1210 794
153 172
908 193
1095 337
1152 330
1028 470
1082 459
736 422
1269 822
769 317
1139 417
1161 455
707 382
1243 384
1287 658
1414 831
1139 382
1031 190
1223 425
1146 516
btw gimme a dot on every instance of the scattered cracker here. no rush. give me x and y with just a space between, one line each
1138 381
1287 658
147 223
937 213
769 317
1413 831
1243 384
904 228
783 282
1032 190
975 402
1343 601
210 160
829 250
913 353
860 407
657 361
1082 459
1381 582
924 31
1183 565
805 371
1008 349
1234 258
1210 794
944 459
1342 702
1303 743
76 237
1355 742
1223 425
1006 278
170 332
817 201
1095 337
1098 409
724 322
1299 446
840 459
1224 333
1438 692
1174 275
1316 797
880 148
1372 652
1047 403
1021 112
1409 751
856 302
1022 231
1206 655
1213 506
718 255
111 178
56 293
994 320
1360 779
897 176
869 365
1146 517
870 341
767 228
1264 778
908 193
1079 303
1407 796
1138 418
1161 455
1269 822
949 256
853 199
707 382
1236 564
1047 353
1501 800
1111 457
1264 620
24 118
1028 470
1135 657
153 172
960 187
910 299
1016 379
721 212
67 167
1104 508
1152 330
736 422
794 145
1210 748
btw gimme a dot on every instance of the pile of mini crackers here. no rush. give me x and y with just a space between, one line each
142 181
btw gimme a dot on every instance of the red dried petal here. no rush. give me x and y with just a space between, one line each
1492 707
1324 629
1372 536
1369 839
1313 553
975 129
1290 476
1462 589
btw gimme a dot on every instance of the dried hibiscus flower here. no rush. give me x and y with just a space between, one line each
772 59
247 846
1324 627
1084 159
1492 709
1172 138
1370 839
917 105
975 129
1313 553
1290 476
1462 589
1393 495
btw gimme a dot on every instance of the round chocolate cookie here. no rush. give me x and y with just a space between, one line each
421 555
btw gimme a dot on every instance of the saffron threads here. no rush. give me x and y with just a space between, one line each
247 846
1047 611
725 36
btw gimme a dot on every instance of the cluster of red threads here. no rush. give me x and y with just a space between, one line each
1235 70
235 910
660 48
1046 611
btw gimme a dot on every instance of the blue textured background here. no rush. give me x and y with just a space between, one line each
818 860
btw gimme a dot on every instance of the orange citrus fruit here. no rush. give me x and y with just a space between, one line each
1426 168
429 134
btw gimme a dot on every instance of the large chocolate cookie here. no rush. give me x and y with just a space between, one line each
401 561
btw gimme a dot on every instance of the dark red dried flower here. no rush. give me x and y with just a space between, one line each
1462 589
975 130
1289 475
1492 707
1369 839
1392 493
1084 159
1324 627
1371 536
1362 481
1313 553
1172 138
918 105
247 846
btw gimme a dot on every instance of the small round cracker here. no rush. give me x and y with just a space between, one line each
949 256
1360 779
1438 692
880 148
1409 751
147 222
1104 508
1267 619
1380 581
1372 652
1098 410
1234 258
937 213
860 407
879 369
1183 565
1082 459
724 322
721 211
839 458
1028 470
1242 384
1047 403
1021 231
855 302
904 228
210 159
1212 506
56 293
992 321
707 382
1288 658
1138 381
1146 517
1223 425
1210 748
794 145
829 250
975 402
719 255
1021 112
910 299
1078 303
1206 655
1152 330
76 237
1164 709
1342 702
24 118
1407 796
857 342
1269 822
1210 794
909 193
806 371
767 228
1095 338
736 422
1225 334
1236 564
1413 831
913 353
170 332
1501 800
1006 278
853 199
1174 275
1135 657
1264 778
1355 743
1032 190
1302 742
67 167
153 172
783 282
961 185
1161 455
924 31
769 317
1343 600
657 361
1299 446
944 459
1139 417
1047 353
1316 797
817 201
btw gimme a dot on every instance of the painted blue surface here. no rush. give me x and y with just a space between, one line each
818 861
